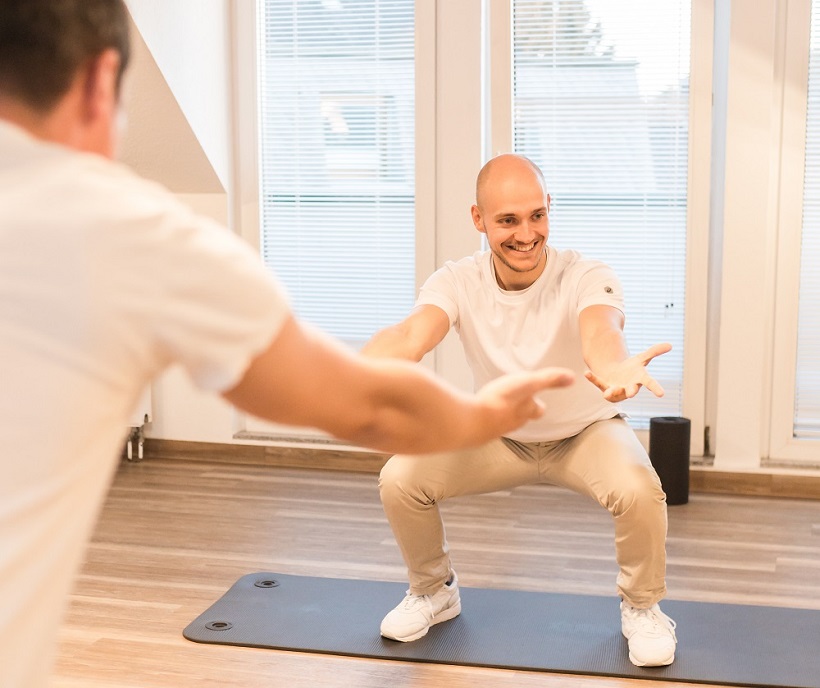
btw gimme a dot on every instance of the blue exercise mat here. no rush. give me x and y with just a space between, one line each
579 634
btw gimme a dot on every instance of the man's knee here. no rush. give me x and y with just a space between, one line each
638 491
401 478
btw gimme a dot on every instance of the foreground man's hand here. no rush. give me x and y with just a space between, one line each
511 400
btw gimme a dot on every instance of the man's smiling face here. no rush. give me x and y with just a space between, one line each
512 209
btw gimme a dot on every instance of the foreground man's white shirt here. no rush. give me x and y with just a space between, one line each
105 279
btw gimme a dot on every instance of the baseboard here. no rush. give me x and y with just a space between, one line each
770 482
767 482
324 458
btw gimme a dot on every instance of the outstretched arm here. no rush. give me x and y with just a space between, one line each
418 333
611 369
306 378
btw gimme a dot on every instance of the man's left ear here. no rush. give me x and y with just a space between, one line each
476 215
549 202
102 85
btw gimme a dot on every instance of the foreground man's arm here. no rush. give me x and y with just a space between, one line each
306 378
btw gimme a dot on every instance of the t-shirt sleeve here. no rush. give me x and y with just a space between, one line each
598 285
219 307
441 290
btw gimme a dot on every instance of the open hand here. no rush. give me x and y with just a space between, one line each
624 379
511 399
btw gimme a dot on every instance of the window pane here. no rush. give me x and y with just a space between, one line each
807 379
337 159
601 104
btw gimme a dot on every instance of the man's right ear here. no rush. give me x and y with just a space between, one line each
476 214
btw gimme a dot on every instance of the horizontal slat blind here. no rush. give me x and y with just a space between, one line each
807 378
601 104
337 159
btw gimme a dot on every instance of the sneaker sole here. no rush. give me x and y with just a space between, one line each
648 664
446 615
665 662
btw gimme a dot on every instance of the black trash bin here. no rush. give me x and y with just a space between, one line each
669 453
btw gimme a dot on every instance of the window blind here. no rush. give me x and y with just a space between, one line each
601 104
337 159
807 377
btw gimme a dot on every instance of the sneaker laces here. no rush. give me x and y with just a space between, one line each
653 622
411 601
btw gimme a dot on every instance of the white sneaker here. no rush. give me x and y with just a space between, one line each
651 635
413 617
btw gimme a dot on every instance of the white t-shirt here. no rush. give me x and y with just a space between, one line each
510 331
105 280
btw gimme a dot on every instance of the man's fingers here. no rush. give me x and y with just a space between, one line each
653 386
655 350
538 410
615 394
523 386
595 380
554 377
633 368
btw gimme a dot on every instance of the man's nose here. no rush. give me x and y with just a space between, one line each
525 233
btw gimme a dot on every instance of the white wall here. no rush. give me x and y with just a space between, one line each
459 145
749 237
177 102
180 410
158 140
190 43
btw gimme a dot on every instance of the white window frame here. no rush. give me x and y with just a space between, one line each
783 446
499 139
245 201
748 309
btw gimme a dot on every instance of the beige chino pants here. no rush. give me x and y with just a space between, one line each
605 462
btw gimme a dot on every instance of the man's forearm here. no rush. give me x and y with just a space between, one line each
392 342
411 408
604 349
412 412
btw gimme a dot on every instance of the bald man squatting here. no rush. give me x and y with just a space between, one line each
519 306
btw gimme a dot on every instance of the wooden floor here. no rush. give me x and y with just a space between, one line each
174 535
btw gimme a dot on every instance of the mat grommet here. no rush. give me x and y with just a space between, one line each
266 583
218 625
